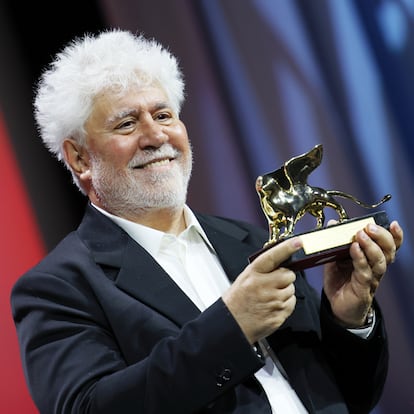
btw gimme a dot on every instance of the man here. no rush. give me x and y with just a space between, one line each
149 307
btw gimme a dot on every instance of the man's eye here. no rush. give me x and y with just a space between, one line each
162 116
126 124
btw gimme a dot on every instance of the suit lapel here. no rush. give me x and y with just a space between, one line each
227 239
133 269
149 283
142 277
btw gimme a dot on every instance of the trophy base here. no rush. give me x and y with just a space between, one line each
329 244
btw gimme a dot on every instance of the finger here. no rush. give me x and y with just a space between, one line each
283 309
370 258
397 233
384 239
365 279
272 258
287 292
275 298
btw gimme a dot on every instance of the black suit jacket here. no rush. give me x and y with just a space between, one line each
103 329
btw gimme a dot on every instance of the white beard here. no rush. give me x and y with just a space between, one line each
130 191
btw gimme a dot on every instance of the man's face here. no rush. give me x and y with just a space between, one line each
140 155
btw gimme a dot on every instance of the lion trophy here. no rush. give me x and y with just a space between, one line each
285 196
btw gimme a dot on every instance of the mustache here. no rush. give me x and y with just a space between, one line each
151 154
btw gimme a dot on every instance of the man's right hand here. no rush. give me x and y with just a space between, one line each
263 295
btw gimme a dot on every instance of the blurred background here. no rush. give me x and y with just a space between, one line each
266 80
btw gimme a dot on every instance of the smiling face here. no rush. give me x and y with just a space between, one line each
137 156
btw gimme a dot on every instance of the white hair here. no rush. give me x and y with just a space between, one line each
111 60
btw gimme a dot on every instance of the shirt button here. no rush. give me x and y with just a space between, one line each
223 377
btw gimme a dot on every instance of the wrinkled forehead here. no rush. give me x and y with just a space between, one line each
135 94
112 105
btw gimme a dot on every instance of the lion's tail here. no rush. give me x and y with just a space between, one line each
361 203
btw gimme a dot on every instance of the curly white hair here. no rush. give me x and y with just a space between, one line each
113 59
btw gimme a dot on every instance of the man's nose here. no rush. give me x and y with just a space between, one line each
152 134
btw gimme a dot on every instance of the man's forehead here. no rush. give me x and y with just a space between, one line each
116 105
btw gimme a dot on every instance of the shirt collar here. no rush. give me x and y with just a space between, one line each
149 238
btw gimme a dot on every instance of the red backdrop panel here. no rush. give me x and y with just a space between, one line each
20 248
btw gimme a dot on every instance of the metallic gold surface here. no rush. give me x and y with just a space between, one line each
285 196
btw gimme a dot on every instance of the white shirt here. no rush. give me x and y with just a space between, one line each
190 260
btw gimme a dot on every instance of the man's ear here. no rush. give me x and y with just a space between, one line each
77 157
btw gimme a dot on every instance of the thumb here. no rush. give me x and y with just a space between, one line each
272 258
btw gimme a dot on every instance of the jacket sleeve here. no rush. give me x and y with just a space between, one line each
360 365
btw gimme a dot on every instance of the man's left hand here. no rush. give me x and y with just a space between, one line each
350 285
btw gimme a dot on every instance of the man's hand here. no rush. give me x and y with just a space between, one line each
263 295
350 285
